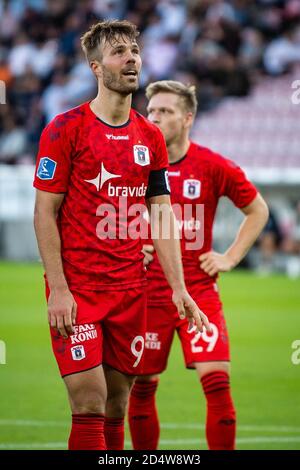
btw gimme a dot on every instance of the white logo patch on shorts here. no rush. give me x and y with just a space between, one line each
78 353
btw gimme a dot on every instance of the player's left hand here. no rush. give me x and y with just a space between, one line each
187 308
213 263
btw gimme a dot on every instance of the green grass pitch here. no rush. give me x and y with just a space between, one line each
263 317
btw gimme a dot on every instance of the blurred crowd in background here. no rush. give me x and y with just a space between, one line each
278 247
223 47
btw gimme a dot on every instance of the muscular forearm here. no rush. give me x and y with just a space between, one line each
249 230
169 253
50 248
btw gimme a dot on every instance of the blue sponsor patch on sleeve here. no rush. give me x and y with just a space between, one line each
46 169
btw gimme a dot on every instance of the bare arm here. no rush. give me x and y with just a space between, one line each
165 237
256 216
166 240
45 213
61 304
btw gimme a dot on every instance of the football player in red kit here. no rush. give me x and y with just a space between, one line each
199 177
96 163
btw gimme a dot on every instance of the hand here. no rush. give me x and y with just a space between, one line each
147 252
213 263
62 310
187 308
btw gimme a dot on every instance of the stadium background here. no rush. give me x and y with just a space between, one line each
244 58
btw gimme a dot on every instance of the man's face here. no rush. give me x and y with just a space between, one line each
166 111
121 65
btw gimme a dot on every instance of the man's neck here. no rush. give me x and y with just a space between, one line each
111 107
177 150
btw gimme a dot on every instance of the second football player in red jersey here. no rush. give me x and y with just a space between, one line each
198 178
97 164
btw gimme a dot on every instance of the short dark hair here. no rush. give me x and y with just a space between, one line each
106 31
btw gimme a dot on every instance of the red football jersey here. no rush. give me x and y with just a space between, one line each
103 170
197 182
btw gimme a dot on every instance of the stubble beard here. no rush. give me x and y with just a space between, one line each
115 82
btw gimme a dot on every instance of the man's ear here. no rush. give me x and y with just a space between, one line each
188 120
96 68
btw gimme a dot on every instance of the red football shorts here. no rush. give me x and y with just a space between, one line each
110 329
163 321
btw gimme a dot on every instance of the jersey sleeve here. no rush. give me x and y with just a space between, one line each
233 183
158 183
53 163
160 160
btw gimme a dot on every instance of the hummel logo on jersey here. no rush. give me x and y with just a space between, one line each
141 155
117 137
102 177
191 188
174 173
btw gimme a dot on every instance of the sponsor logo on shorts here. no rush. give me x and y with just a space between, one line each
78 353
83 333
152 341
